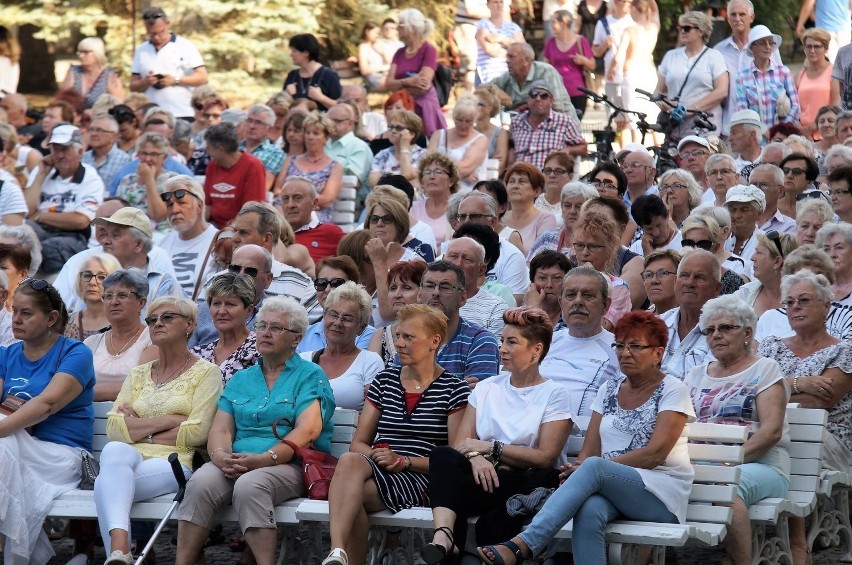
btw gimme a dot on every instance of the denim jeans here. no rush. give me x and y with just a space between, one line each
594 495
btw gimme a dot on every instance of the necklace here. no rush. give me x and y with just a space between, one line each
312 160
126 345
160 383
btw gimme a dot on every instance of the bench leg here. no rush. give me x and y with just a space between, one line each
826 524
376 545
841 506
633 554
771 550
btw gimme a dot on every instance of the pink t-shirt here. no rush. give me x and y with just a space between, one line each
426 56
813 94
572 75
440 225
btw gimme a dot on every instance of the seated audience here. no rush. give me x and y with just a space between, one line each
439 177
481 307
403 282
800 172
840 192
702 232
260 120
344 146
398 187
764 293
722 175
573 196
659 231
142 188
463 144
659 280
745 204
811 215
91 318
298 201
486 237
498 138
524 183
103 153
558 171
681 194
547 271
311 79
387 219
524 74
20 257
739 265
403 156
836 240
496 189
770 180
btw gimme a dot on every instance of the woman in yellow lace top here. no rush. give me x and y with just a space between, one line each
164 406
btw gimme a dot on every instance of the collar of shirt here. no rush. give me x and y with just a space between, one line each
76 178
310 225
342 142
172 39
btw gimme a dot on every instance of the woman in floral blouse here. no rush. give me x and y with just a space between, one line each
404 155
142 188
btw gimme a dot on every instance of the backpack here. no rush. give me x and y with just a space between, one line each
443 82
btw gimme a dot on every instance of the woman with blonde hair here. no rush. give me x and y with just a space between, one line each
439 178
462 143
680 192
813 82
498 138
20 160
403 156
92 77
91 319
811 215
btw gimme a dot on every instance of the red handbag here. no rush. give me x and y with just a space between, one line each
317 466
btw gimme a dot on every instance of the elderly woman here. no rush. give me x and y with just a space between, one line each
413 68
388 220
764 84
742 266
47 384
91 319
493 35
824 122
741 388
634 462
403 282
410 410
558 171
681 194
498 138
462 143
813 83
403 157
493 459
231 298
524 183
722 175
249 466
659 279
142 188
497 190
350 369
92 77
694 74
164 406
800 173
311 79
125 344
836 240
573 196
704 233
816 366
608 179
764 293
811 215
439 177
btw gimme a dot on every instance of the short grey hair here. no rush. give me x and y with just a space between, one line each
183 306
574 189
586 271
155 139
811 257
170 118
526 50
700 20
453 204
414 19
839 152
354 293
288 306
821 284
715 266
728 305
134 279
96 46
776 172
489 200
747 3
107 261
753 128
269 220
24 236
232 284
139 235
480 249
712 160
785 151
817 206
262 110
718 213
694 191
706 223
305 181
826 232
182 131
113 125
806 146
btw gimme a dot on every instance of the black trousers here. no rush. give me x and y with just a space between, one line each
451 485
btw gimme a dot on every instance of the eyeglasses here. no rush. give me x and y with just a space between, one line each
250 271
694 153
166 317
395 127
630 347
775 237
436 172
837 192
556 171
720 172
385 220
721 328
767 42
444 288
86 276
609 185
704 244
686 28
144 154
322 284
803 301
174 195
659 275
673 187
812 47
592 247
122 296
274 329
333 316
635 165
472 217
540 94
796 171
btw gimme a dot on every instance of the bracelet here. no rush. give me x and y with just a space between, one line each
497 451
215 450
405 152
795 385
407 463
472 454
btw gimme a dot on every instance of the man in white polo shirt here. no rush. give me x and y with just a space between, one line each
165 66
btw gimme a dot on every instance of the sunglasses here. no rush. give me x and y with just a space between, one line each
385 220
811 194
250 271
154 16
775 237
174 195
795 170
704 244
321 284
686 29
166 317
38 285
394 127
541 95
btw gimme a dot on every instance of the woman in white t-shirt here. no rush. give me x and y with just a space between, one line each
634 463
744 389
497 456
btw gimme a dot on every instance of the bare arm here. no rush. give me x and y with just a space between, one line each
835 92
771 408
62 389
12 219
282 176
804 14
473 158
666 433
835 382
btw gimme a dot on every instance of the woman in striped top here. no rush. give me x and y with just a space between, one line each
409 411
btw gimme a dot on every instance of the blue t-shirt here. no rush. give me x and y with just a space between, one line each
255 407
72 425
832 15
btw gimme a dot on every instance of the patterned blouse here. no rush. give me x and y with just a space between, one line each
136 194
243 357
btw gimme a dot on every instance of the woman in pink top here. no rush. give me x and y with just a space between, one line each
569 53
814 80
524 182
439 178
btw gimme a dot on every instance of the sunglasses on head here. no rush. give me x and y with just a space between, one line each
175 195
153 16
321 284
250 271
810 194
38 285
775 237
704 244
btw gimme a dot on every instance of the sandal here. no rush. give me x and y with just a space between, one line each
433 553
336 557
498 559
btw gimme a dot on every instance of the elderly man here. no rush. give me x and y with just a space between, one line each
190 241
16 107
259 120
481 307
773 153
165 66
233 177
746 133
524 71
745 204
694 151
547 271
641 174
699 277
539 131
843 122
470 351
721 171
62 198
353 153
103 154
770 180
128 238
298 200
373 124
581 357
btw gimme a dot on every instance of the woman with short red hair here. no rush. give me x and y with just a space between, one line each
524 183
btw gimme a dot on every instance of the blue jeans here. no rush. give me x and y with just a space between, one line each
594 495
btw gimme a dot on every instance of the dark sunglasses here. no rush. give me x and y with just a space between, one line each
322 284
704 244
687 29
797 171
811 194
250 271
167 318
385 220
175 195
775 237
153 16
38 285
540 94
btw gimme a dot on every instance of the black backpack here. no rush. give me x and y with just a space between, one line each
443 81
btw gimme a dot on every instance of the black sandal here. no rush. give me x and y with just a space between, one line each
434 553
498 559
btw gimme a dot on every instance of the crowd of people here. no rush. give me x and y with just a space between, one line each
179 257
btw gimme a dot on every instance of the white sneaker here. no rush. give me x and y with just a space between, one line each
117 557
336 557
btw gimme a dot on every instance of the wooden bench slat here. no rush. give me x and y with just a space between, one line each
806 433
715 453
709 513
713 493
716 474
699 431
812 416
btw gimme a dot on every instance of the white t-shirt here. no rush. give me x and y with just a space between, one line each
529 407
674 68
424 233
623 431
374 124
178 58
838 323
674 245
616 28
581 365
188 255
486 310
350 387
11 198
82 192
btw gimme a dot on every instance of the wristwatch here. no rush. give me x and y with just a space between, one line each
472 454
274 457
177 81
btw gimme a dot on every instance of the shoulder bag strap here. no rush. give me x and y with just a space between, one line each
204 266
689 72
316 356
